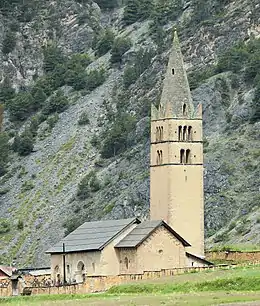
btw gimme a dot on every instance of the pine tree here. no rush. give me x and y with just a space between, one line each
39 97
146 8
23 144
4 152
6 91
131 12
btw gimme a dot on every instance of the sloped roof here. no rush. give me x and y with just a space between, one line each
200 259
7 270
92 236
143 231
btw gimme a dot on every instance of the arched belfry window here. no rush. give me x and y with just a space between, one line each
161 136
182 156
188 157
184 109
159 157
173 71
190 133
180 133
184 137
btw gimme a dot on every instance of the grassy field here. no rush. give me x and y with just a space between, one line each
195 289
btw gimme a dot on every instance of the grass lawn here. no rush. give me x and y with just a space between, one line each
195 289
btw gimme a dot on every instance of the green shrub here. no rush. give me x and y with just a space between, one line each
131 12
196 78
23 144
4 191
56 104
6 91
82 18
4 152
256 105
94 183
232 225
53 56
88 184
5 226
95 78
220 237
119 48
39 97
233 60
115 138
27 185
107 4
105 42
52 120
141 63
9 42
137 10
83 119
21 106
71 224
20 225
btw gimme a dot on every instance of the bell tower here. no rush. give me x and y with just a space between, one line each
176 165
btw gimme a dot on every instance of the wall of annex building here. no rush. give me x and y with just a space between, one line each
128 261
77 266
110 261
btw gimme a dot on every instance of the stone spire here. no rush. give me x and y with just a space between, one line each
176 101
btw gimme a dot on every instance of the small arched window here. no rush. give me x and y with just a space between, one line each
188 157
161 136
184 137
157 134
180 133
158 157
184 109
161 157
126 263
190 133
182 156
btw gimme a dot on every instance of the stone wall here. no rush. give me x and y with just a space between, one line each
5 287
234 256
94 284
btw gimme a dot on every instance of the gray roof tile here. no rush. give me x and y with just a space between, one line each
143 231
92 236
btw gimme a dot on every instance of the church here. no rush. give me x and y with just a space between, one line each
174 235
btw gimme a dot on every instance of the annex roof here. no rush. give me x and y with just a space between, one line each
7 270
92 236
143 231
203 260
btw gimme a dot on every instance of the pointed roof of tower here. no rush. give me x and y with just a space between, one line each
176 100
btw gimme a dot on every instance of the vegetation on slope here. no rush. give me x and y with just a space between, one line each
119 140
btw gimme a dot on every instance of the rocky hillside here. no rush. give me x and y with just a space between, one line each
77 81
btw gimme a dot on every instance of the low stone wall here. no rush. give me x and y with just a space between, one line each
234 256
94 284
5 287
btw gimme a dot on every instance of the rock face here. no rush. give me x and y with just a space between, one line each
40 190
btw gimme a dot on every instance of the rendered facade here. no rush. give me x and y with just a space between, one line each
176 172
174 235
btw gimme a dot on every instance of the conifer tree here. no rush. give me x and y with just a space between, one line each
4 152
131 12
